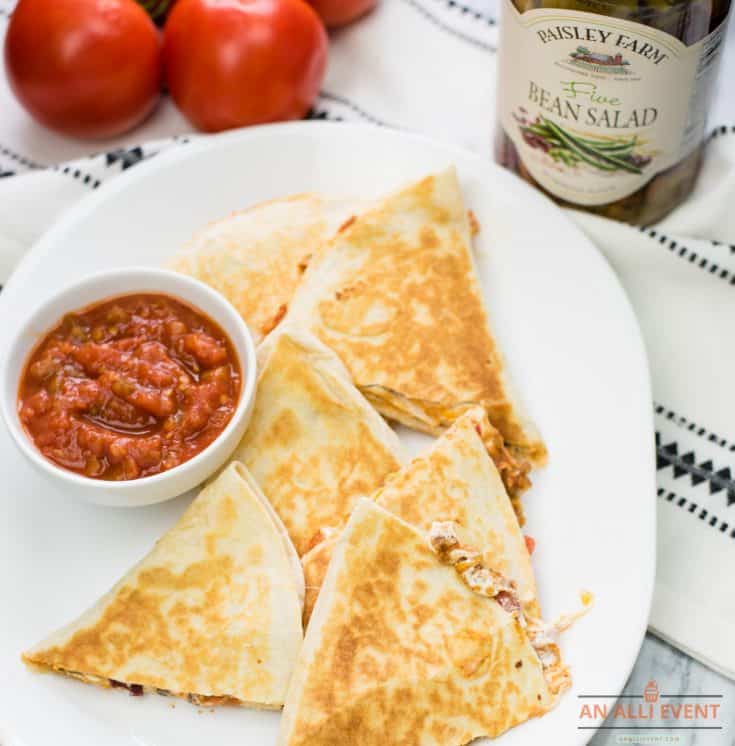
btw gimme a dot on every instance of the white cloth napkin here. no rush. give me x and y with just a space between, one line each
429 66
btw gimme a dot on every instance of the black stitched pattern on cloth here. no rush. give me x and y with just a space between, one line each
18 158
683 252
429 16
724 129
78 174
693 427
334 98
470 12
704 515
730 246
125 157
75 173
323 114
685 464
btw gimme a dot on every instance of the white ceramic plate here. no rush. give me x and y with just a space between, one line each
573 348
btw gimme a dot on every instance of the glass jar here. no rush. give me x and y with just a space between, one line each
602 105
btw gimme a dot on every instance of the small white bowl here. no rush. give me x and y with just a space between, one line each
92 290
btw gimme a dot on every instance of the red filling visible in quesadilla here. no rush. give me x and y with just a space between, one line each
487 582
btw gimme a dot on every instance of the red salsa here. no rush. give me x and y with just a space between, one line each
129 387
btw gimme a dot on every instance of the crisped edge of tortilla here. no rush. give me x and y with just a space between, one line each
191 697
293 557
433 418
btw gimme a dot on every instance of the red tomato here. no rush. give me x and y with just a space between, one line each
530 544
241 62
88 68
339 12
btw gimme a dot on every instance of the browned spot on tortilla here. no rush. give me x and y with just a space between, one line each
347 224
474 223
304 263
267 328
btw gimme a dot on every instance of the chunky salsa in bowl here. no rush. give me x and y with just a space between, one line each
131 386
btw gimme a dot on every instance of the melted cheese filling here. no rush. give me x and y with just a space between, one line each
445 543
139 689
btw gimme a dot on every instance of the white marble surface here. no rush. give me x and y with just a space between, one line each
677 673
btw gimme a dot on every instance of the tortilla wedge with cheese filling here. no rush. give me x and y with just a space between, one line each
397 296
314 444
212 613
257 257
405 640
455 480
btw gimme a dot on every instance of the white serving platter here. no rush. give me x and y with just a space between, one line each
573 348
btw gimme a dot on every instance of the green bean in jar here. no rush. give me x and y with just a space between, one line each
602 105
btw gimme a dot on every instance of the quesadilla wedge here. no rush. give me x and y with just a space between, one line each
256 257
455 480
314 444
396 295
404 641
212 613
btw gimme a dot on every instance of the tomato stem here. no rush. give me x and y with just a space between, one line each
156 9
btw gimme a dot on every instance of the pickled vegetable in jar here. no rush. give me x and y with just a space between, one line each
603 105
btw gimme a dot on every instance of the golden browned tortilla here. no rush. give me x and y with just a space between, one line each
314 444
256 257
404 647
212 613
396 295
455 480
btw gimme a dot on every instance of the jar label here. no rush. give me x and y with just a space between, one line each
597 106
